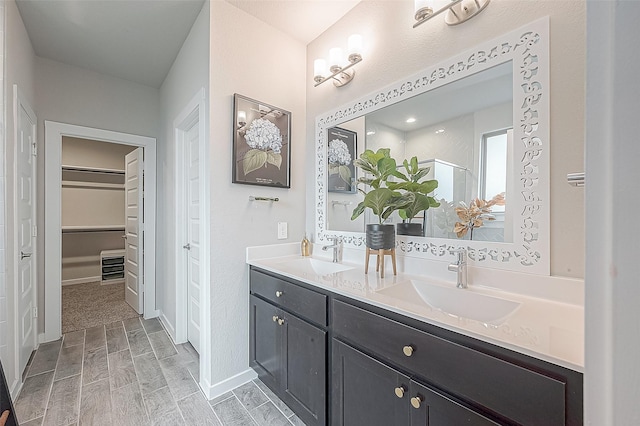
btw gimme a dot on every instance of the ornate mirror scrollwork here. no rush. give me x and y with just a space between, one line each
527 51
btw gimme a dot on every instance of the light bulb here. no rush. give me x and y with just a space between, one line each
354 49
319 70
242 118
336 59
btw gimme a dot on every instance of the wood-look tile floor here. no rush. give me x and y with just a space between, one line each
130 373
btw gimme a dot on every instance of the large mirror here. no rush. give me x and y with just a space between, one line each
479 122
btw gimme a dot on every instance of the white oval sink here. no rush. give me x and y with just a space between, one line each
462 303
312 266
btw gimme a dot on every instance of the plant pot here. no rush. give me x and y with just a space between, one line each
413 229
381 236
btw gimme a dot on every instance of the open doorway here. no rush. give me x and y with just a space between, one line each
98 180
135 222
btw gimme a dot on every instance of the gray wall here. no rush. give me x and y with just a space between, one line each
189 73
20 69
393 50
263 64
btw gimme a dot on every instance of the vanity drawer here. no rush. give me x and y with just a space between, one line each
293 297
510 391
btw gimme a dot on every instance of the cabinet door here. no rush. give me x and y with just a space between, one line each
430 408
365 391
304 372
266 341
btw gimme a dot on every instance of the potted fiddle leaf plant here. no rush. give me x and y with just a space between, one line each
379 197
411 182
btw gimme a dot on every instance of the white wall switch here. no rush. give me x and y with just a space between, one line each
282 230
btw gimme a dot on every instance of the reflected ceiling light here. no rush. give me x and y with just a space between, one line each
458 11
371 133
439 131
411 120
339 68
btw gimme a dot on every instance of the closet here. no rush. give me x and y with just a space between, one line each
93 211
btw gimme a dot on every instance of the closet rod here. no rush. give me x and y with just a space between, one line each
80 229
92 170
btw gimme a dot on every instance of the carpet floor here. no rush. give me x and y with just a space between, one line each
90 304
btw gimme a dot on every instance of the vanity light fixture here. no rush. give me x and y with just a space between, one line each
339 68
458 11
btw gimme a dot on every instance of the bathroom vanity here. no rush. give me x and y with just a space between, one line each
342 347
345 348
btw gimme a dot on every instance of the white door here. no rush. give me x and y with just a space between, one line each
134 282
25 121
192 158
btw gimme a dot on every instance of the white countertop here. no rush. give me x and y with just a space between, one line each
547 328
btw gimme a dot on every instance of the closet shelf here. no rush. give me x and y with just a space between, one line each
92 228
68 168
96 185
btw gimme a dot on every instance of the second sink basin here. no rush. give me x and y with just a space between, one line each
313 266
457 302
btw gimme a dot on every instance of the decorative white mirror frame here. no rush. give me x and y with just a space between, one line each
528 49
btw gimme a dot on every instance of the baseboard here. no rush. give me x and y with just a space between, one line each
217 389
15 389
169 327
82 280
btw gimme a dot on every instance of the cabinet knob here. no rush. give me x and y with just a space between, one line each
408 350
280 321
275 318
279 293
400 390
416 401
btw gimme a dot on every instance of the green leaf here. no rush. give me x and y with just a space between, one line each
398 201
275 159
418 204
427 186
414 165
358 210
345 174
253 160
386 167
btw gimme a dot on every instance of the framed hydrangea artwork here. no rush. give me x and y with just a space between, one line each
261 143
341 152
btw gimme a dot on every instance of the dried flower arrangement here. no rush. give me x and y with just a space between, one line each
474 215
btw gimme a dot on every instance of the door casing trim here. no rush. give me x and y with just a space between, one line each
54 132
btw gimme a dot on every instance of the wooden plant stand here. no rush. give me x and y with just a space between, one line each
381 253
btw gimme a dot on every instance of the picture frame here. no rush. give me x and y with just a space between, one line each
261 143
341 151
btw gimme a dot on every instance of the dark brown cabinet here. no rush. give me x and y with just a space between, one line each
368 392
289 354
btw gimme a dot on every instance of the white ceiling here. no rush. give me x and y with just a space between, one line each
138 40
303 20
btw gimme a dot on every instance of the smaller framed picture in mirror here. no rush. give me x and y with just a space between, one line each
341 151
261 143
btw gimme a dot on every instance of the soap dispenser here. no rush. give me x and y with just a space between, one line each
305 246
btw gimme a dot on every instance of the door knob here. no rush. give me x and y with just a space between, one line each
408 350
416 401
400 390
24 255
187 246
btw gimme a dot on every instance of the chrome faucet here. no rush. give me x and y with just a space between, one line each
460 267
337 248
